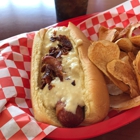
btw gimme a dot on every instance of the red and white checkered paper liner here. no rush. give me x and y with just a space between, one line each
120 16
16 117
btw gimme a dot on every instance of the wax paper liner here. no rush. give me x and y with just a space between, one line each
16 116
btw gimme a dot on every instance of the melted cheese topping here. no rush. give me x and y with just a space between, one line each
64 90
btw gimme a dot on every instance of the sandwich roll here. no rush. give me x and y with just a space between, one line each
67 89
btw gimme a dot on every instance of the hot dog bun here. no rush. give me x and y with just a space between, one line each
88 80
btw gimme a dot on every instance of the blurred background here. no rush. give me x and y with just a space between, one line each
19 16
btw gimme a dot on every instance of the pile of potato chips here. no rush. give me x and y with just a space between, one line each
117 54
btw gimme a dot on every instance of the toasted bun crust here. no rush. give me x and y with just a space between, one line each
96 97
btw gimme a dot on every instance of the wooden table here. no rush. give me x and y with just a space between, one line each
19 16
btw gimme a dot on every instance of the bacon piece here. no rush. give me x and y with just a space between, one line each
64 43
54 65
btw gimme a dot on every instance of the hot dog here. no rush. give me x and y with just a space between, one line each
67 89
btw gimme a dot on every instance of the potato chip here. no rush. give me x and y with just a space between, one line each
117 55
127 58
122 54
135 40
107 34
119 29
123 72
128 61
101 53
123 102
136 64
132 56
125 44
123 32
132 27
